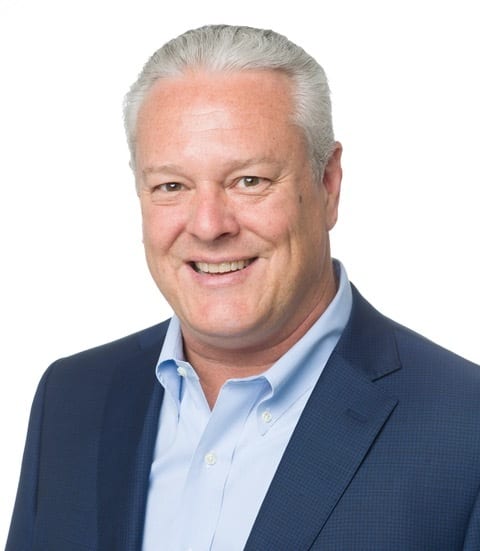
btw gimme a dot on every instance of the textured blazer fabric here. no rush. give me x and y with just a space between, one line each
385 457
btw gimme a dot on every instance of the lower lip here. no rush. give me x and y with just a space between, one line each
222 280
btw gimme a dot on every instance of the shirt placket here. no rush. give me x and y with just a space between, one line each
211 464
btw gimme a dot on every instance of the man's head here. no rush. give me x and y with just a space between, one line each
223 48
235 221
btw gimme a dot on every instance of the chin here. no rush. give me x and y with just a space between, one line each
224 331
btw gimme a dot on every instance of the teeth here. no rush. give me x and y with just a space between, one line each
222 267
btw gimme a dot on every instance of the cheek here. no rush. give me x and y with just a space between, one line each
160 229
275 219
150 232
307 227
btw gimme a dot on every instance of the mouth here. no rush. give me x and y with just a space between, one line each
221 267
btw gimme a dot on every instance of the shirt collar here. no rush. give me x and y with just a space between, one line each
172 361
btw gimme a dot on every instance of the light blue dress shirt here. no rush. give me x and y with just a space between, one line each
212 468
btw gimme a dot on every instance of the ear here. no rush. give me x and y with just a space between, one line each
332 179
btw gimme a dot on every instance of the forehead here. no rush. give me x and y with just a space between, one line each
216 119
202 99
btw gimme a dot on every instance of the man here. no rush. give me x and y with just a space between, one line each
277 410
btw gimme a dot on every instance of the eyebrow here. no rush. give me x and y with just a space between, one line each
230 165
169 167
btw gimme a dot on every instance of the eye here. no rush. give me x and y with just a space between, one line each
169 187
250 181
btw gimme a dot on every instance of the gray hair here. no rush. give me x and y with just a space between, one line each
219 48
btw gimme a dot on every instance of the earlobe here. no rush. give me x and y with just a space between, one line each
332 179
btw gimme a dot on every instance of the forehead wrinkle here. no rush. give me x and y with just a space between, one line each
210 119
221 119
216 114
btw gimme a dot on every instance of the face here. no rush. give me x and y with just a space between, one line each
235 227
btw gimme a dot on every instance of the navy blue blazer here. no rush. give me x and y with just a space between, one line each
385 457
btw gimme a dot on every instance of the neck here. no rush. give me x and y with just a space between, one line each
216 364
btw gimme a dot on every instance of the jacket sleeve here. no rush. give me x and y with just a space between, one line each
21 532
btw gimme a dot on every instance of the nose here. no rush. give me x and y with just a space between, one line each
213 214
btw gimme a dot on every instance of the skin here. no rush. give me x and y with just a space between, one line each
224 175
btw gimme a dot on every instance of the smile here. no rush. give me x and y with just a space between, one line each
221 267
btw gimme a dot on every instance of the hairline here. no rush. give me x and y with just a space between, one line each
262 50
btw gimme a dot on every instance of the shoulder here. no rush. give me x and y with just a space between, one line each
99 362
383 348
437 389
418 352
74 390
437 393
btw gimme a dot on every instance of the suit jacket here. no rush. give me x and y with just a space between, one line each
385 457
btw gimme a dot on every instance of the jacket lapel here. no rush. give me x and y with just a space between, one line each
341 420
126 447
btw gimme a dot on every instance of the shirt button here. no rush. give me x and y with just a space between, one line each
181 371
267 416
210 458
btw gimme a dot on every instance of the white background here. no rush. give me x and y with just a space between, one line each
405 89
